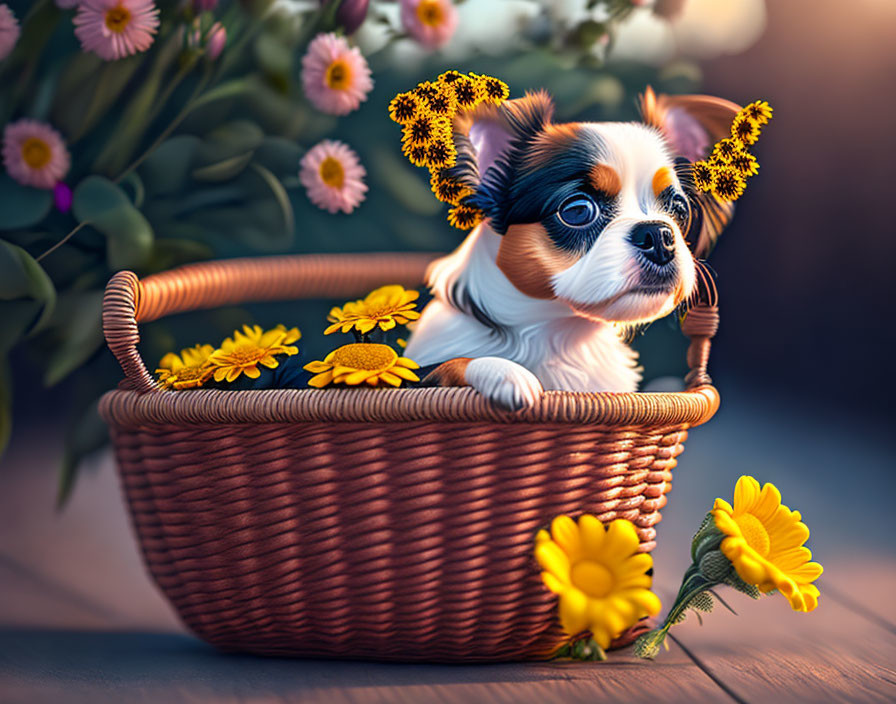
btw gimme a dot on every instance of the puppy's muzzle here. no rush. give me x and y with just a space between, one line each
655 240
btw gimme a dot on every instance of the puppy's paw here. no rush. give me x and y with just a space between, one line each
503 382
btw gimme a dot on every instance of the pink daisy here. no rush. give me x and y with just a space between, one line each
335 76
9 31
113 29
34 154
430 22
333 176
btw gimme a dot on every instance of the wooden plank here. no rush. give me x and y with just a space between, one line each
770 653
98 667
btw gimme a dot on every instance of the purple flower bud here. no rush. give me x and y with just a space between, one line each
215 41
203 5
351 14
62 197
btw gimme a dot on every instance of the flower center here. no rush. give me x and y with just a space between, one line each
190 373
754 533
430 13
332 173
36 152
338 75
592 578
118 18
246 355
368 356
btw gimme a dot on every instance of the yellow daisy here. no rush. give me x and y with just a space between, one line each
759 111
188 370
404 108
745 164
765 543
242 353
385 308
727 183
447 189
493 90
702 173
745 129
725 149
463 217
362 362
600 576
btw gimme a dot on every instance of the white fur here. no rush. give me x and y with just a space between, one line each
570 343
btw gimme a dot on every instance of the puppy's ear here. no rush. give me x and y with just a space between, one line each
692 124
491 141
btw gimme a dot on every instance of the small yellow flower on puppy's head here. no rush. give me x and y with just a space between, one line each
601 578
384 307
188 370
362 363
765 543
242 353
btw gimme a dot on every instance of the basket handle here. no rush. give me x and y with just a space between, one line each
129 300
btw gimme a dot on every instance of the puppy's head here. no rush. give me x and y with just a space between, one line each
593 214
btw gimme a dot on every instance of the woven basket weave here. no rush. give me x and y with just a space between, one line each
371 523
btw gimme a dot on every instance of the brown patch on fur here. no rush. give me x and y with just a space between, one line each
450 373
529 260
552 141
605 179
662 179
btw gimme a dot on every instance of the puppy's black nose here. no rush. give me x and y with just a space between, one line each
655 240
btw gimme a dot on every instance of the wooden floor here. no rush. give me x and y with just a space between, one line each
80 622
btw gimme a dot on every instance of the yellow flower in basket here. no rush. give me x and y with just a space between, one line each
600 576
764 540
362 362
188 370
385 307
242 353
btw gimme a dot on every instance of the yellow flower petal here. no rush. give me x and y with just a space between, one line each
746 493
565 533
552 559
321 380
573 611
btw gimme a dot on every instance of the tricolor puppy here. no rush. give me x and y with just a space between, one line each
587 226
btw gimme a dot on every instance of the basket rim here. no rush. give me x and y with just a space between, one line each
442 404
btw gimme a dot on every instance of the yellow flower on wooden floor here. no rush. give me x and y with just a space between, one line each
765 543
600 576
385 308
360 363
242 353
188 370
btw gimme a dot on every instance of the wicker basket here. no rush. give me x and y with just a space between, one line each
370 523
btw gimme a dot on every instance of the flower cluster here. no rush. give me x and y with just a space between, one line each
755 545
426 115
366 362
730 164
240 354
603 581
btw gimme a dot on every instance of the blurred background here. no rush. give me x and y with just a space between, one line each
804 272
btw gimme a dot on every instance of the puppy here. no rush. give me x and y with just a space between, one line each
587 226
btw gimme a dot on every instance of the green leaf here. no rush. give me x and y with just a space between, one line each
280 156
129 236
280 195
168 253
168 168
77 334
223 170
22 277
87 434
229 140
22 206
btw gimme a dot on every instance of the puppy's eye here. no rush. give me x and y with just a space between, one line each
679 206
578 211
